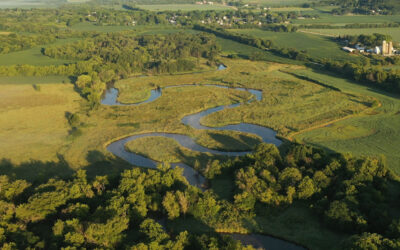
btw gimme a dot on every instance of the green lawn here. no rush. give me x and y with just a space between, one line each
34 56
316 46
376 133
183 7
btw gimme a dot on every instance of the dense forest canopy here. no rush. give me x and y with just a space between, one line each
349 194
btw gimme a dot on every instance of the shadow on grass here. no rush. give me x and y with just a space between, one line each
36 171
228 143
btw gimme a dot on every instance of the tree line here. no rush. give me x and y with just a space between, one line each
350 194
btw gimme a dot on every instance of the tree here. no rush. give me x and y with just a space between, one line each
183 201
83 81
171 205
306 188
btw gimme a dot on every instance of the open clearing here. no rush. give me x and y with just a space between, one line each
32 122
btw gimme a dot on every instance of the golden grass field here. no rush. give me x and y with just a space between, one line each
33 123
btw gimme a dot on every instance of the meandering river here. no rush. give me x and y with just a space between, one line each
194 178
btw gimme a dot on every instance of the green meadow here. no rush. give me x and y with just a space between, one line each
316 46
374 133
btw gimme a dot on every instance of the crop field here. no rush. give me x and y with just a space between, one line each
184 7
34 56
316 46
373 133
32 122
394 32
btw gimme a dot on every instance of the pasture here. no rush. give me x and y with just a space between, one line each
371 133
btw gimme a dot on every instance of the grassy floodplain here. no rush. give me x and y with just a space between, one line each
104 125
33 123
373 133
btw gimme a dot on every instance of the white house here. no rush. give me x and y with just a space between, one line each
348 49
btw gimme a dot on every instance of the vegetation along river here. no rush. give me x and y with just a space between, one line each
194 178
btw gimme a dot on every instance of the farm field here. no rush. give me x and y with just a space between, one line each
34 56
375 133
184 7
316 46
394 32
